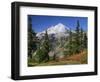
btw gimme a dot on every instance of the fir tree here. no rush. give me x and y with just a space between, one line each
85 40
31 38
76 42
69 44
46 45
77 38
81 39
43 50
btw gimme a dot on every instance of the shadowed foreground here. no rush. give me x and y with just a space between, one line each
80 58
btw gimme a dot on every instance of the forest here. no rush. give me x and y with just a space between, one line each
47 51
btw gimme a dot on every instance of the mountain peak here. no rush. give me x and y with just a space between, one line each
59 29
60 25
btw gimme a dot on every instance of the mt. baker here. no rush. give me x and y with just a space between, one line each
57 31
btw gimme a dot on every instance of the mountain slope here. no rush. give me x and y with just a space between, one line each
57 31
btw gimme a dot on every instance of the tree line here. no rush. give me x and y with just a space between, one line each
76 43
34 45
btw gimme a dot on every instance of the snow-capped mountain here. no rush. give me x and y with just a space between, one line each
57 31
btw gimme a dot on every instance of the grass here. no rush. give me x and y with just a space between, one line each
80 58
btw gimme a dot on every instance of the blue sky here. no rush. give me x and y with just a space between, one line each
42 22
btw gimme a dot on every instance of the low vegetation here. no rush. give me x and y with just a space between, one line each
68 51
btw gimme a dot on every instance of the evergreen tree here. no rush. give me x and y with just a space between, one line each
46 45
43 50
40 55
31 38
77 38
85 40
69 44
76 42
81 40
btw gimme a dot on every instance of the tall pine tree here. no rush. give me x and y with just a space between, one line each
46 44
85 40
31 38
70 45
81 39
77 41
77 38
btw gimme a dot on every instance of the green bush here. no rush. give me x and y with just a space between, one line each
41 55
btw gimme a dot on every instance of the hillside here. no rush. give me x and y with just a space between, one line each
80 58
57 45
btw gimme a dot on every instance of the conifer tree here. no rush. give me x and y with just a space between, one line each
31 38
69 44
46 45
77 41
43 50
81 39
85 40
77 38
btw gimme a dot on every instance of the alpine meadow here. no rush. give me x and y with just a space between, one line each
57 40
